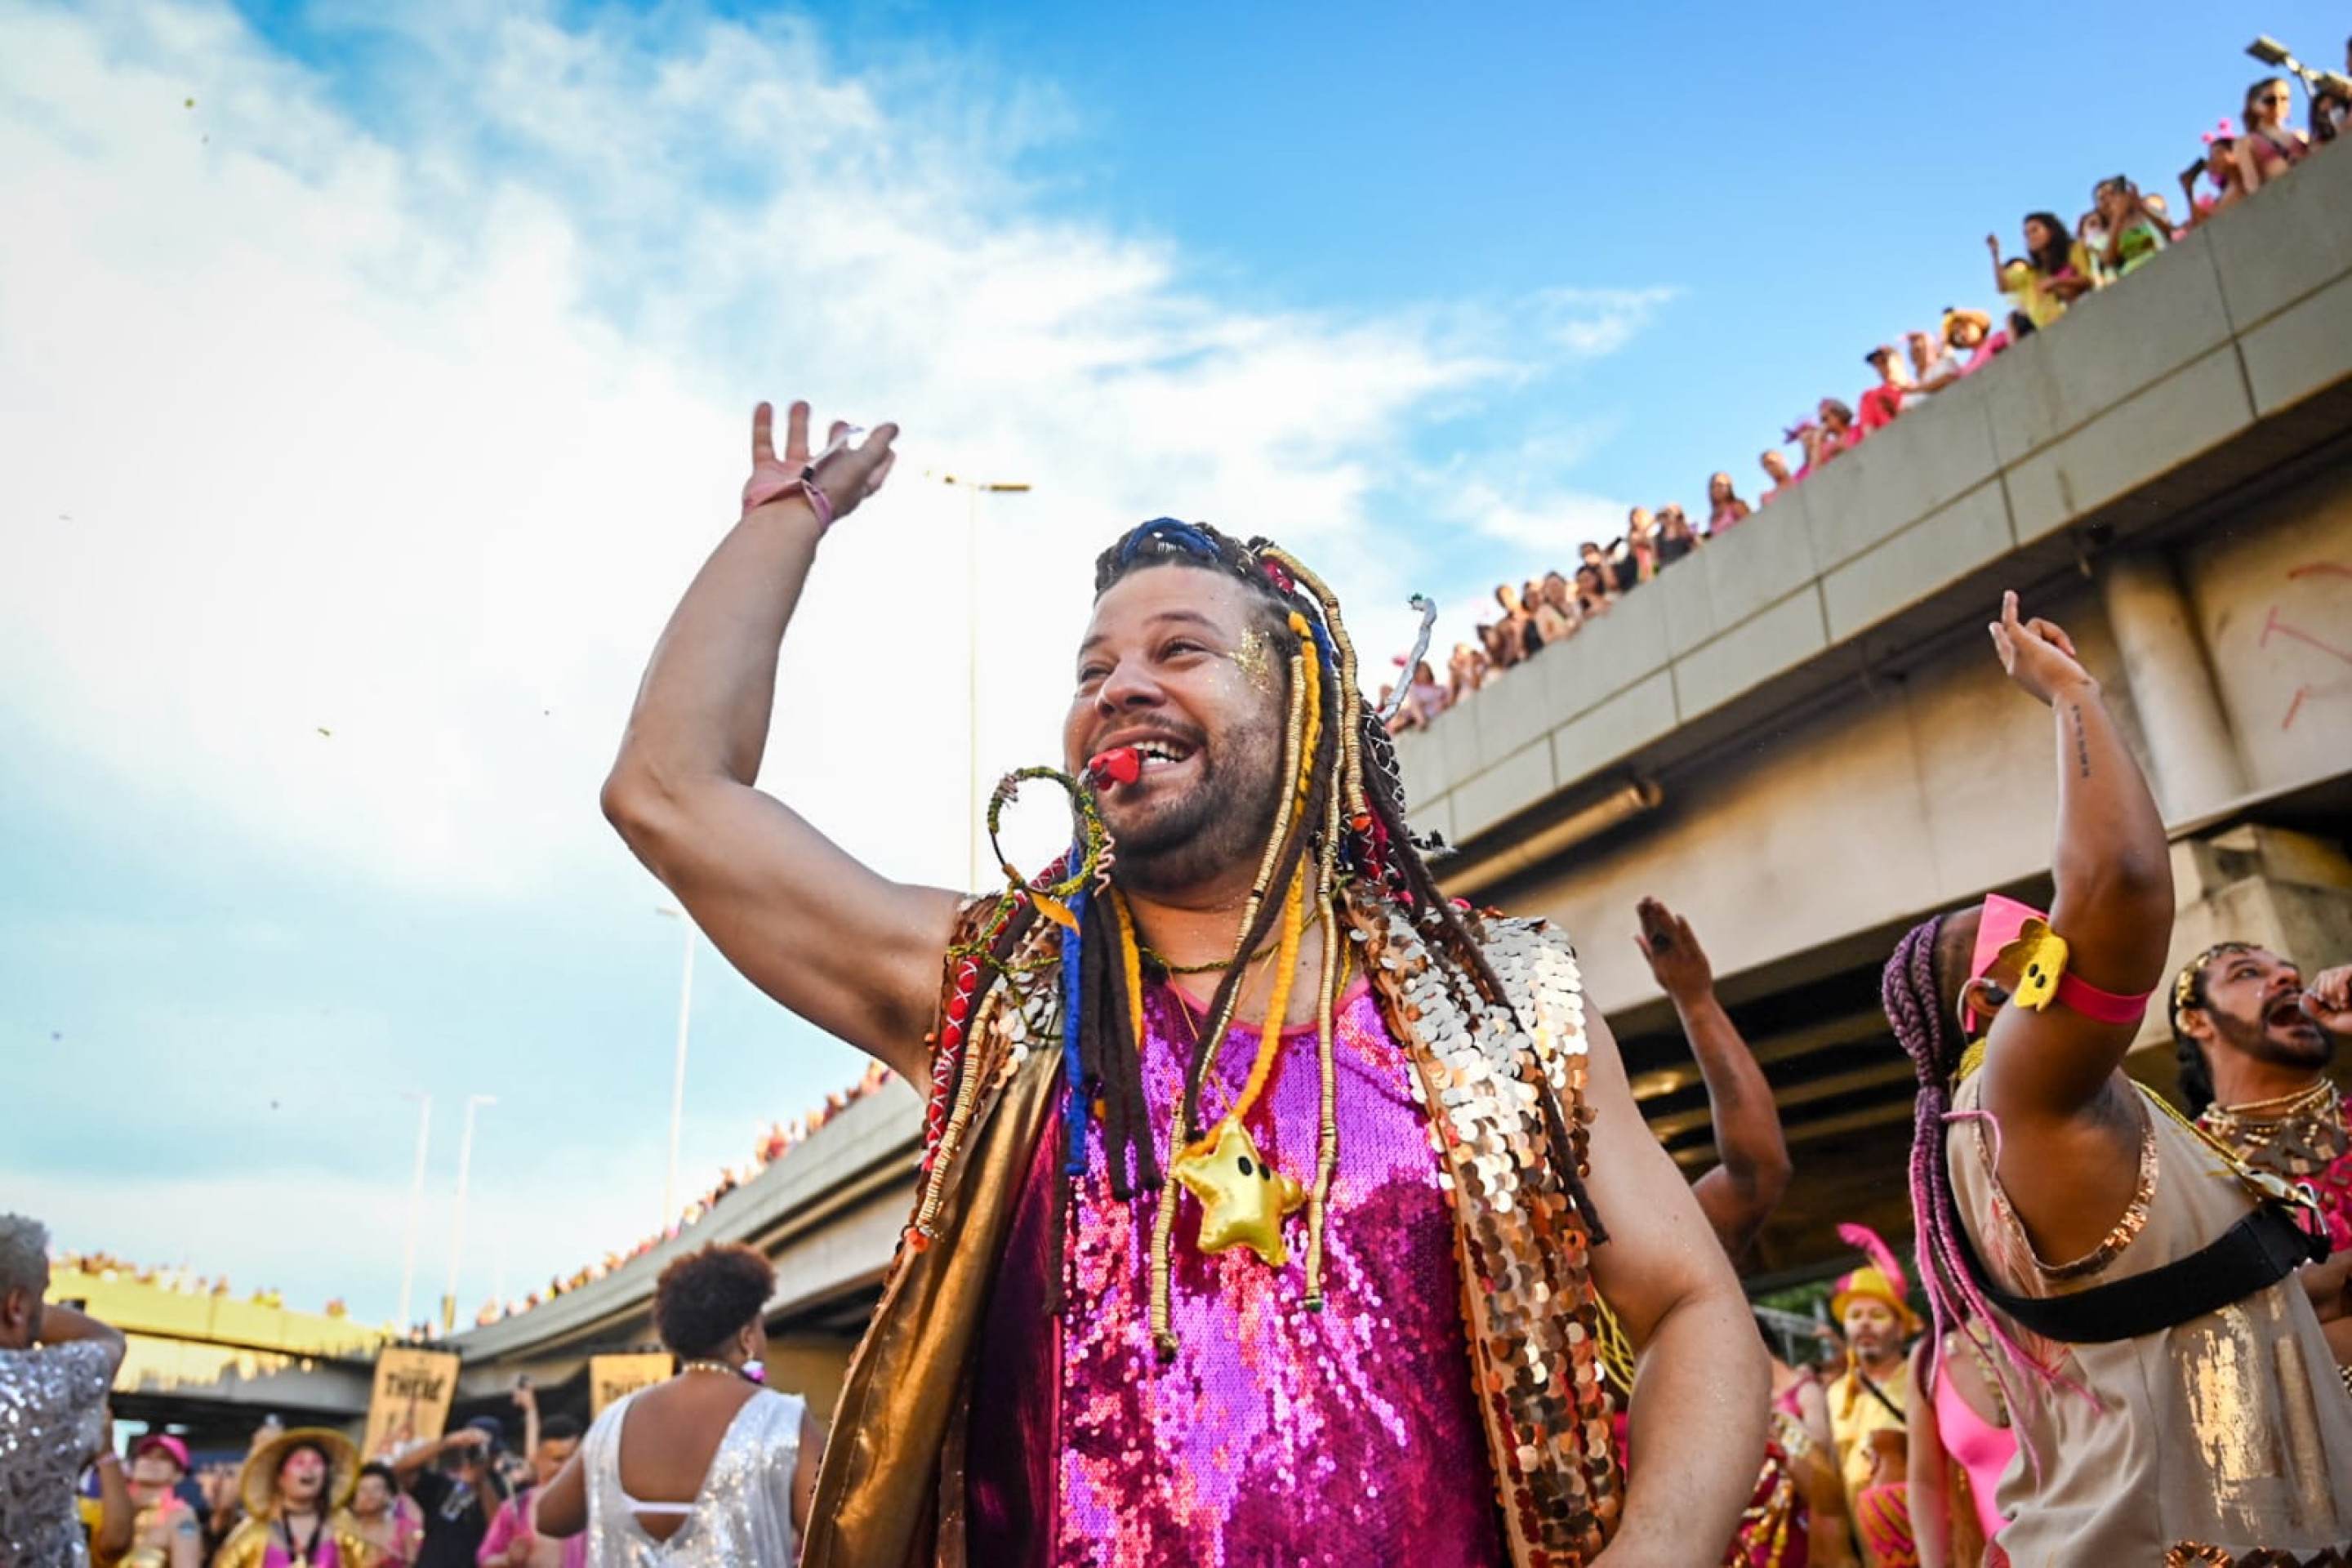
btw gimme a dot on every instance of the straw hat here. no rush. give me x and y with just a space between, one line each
257 1484
1954 318
1880 1279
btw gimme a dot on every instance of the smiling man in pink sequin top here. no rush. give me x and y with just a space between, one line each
1177 1291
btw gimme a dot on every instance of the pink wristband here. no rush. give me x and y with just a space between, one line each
757 494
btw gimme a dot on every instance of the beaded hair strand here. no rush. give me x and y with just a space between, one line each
1910 991
1377 846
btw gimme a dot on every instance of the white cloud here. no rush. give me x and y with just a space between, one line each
412 439
1593 323
361 431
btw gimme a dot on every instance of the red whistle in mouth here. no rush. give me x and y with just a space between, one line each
1120 764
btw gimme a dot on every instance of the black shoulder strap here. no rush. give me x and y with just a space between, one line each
2253 1255
1869 1386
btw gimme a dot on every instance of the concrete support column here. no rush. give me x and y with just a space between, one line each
2192 758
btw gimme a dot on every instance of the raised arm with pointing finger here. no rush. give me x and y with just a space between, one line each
2133 1287
2070 1120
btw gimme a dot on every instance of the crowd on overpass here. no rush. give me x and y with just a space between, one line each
775 1141
2121 229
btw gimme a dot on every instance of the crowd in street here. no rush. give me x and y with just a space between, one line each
2121 229
470 1497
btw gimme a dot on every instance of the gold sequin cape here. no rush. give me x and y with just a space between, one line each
890 1493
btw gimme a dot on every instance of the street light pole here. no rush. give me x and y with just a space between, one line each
973 490
677 1067
457 1222
415 1208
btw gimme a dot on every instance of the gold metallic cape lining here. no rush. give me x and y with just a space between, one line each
876 1489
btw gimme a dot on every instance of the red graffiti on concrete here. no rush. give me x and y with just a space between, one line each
2287 629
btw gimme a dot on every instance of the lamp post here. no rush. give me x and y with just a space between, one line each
973 490
677 1066
416 1206
458 1220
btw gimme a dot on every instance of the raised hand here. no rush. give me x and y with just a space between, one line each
2329 1000
1676 961
2036 654
845 473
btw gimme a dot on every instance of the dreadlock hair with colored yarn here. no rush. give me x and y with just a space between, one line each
1340 820
1377 844
2189 991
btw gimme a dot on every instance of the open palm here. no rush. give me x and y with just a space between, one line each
846 472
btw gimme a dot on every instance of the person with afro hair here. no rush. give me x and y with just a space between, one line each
710 1468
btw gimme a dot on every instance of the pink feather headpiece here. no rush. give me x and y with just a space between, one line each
1882 1279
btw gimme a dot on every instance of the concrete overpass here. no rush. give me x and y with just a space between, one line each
1800 736
828 1211
214 1365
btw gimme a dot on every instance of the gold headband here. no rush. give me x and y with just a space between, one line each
2184 984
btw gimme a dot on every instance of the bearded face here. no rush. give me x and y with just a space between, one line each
1178 664
1873 1330
2253 1006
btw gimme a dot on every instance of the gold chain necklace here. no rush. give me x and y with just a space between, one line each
2294 1135
1184 1002
2280 1105
1214 965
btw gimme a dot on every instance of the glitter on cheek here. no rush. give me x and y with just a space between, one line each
1254 659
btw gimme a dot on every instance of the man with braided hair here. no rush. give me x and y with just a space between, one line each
1269 1200
2136 1291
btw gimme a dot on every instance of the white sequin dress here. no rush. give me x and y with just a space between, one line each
743 1515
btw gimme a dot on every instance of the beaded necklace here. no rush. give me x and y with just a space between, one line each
2296 1134
694 1366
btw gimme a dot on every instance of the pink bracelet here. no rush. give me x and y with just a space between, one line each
757 494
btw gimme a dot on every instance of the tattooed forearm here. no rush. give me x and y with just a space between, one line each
2082 742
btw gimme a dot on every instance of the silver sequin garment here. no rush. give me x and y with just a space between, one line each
52 1399
741 1518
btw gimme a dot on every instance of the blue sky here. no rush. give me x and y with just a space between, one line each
365 416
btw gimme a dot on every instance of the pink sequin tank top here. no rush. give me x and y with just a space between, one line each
1277 1436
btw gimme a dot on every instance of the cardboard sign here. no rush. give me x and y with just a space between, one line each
414 1390
612 1377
